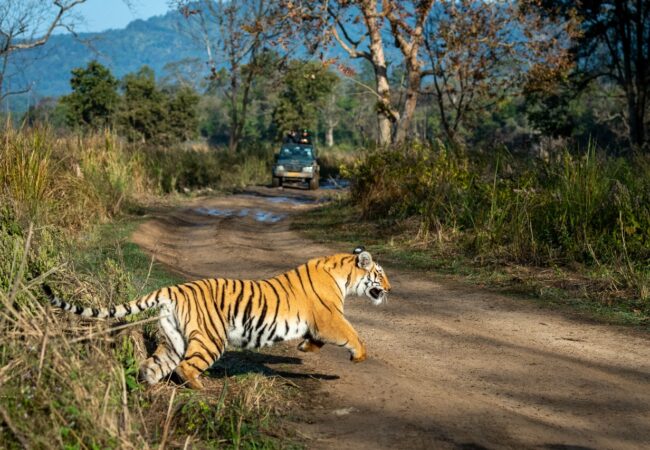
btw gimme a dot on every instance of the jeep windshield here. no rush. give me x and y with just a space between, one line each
296 151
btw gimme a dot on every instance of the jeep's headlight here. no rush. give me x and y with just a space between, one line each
309 169
279 168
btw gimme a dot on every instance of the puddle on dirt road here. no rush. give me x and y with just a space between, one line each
256 214
291 200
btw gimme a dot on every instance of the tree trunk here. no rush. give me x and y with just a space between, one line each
385 113
636 124
404 124
329 135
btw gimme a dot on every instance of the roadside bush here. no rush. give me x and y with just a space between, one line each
333 160
181 169
435 185
586 208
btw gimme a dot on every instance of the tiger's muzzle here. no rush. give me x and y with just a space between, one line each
377 295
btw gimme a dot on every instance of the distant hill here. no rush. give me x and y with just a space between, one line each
156 42
159 42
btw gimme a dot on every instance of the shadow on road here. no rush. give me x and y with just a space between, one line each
245 362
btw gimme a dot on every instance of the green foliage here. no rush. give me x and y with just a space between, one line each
181 169
417 180
182 113
94 97
143 115
306 86
585 208
152 114
236 417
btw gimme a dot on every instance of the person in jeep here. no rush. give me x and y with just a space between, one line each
305 137
291 137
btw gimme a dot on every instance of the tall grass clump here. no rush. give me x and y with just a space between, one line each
27 172
67 180
583 207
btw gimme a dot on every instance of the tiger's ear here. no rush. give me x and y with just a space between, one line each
364 260
358 250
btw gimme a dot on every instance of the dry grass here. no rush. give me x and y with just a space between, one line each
70 383
68 181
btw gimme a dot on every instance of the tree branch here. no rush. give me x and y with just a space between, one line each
63 8
352 51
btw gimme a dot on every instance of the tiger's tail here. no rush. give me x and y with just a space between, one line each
152 300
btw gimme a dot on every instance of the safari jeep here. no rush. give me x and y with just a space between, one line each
296 163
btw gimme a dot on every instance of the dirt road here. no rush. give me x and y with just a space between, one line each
449 366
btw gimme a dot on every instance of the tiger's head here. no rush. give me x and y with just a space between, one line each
372 282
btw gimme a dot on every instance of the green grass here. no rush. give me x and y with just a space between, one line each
110 241
395 244
583 207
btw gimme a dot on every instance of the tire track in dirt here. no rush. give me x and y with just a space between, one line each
450 366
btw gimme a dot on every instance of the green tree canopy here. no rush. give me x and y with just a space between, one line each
183 113
307 85
94 98
144 114
154 114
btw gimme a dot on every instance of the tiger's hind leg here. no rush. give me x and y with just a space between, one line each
162 363
168 354
201 353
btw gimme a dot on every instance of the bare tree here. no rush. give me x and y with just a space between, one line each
614 45
27 24
479 51
407 26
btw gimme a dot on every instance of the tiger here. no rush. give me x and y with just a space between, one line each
198 319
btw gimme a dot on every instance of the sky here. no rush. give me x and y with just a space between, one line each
100 15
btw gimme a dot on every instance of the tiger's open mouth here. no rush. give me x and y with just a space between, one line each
376 293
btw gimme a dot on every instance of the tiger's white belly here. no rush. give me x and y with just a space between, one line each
266 334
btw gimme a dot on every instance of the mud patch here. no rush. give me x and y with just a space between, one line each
257 214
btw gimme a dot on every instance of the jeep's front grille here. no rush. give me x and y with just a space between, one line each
293 167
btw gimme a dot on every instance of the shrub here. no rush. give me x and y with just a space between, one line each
180 169
587 207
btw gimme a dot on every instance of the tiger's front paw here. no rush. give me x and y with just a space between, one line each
358 355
